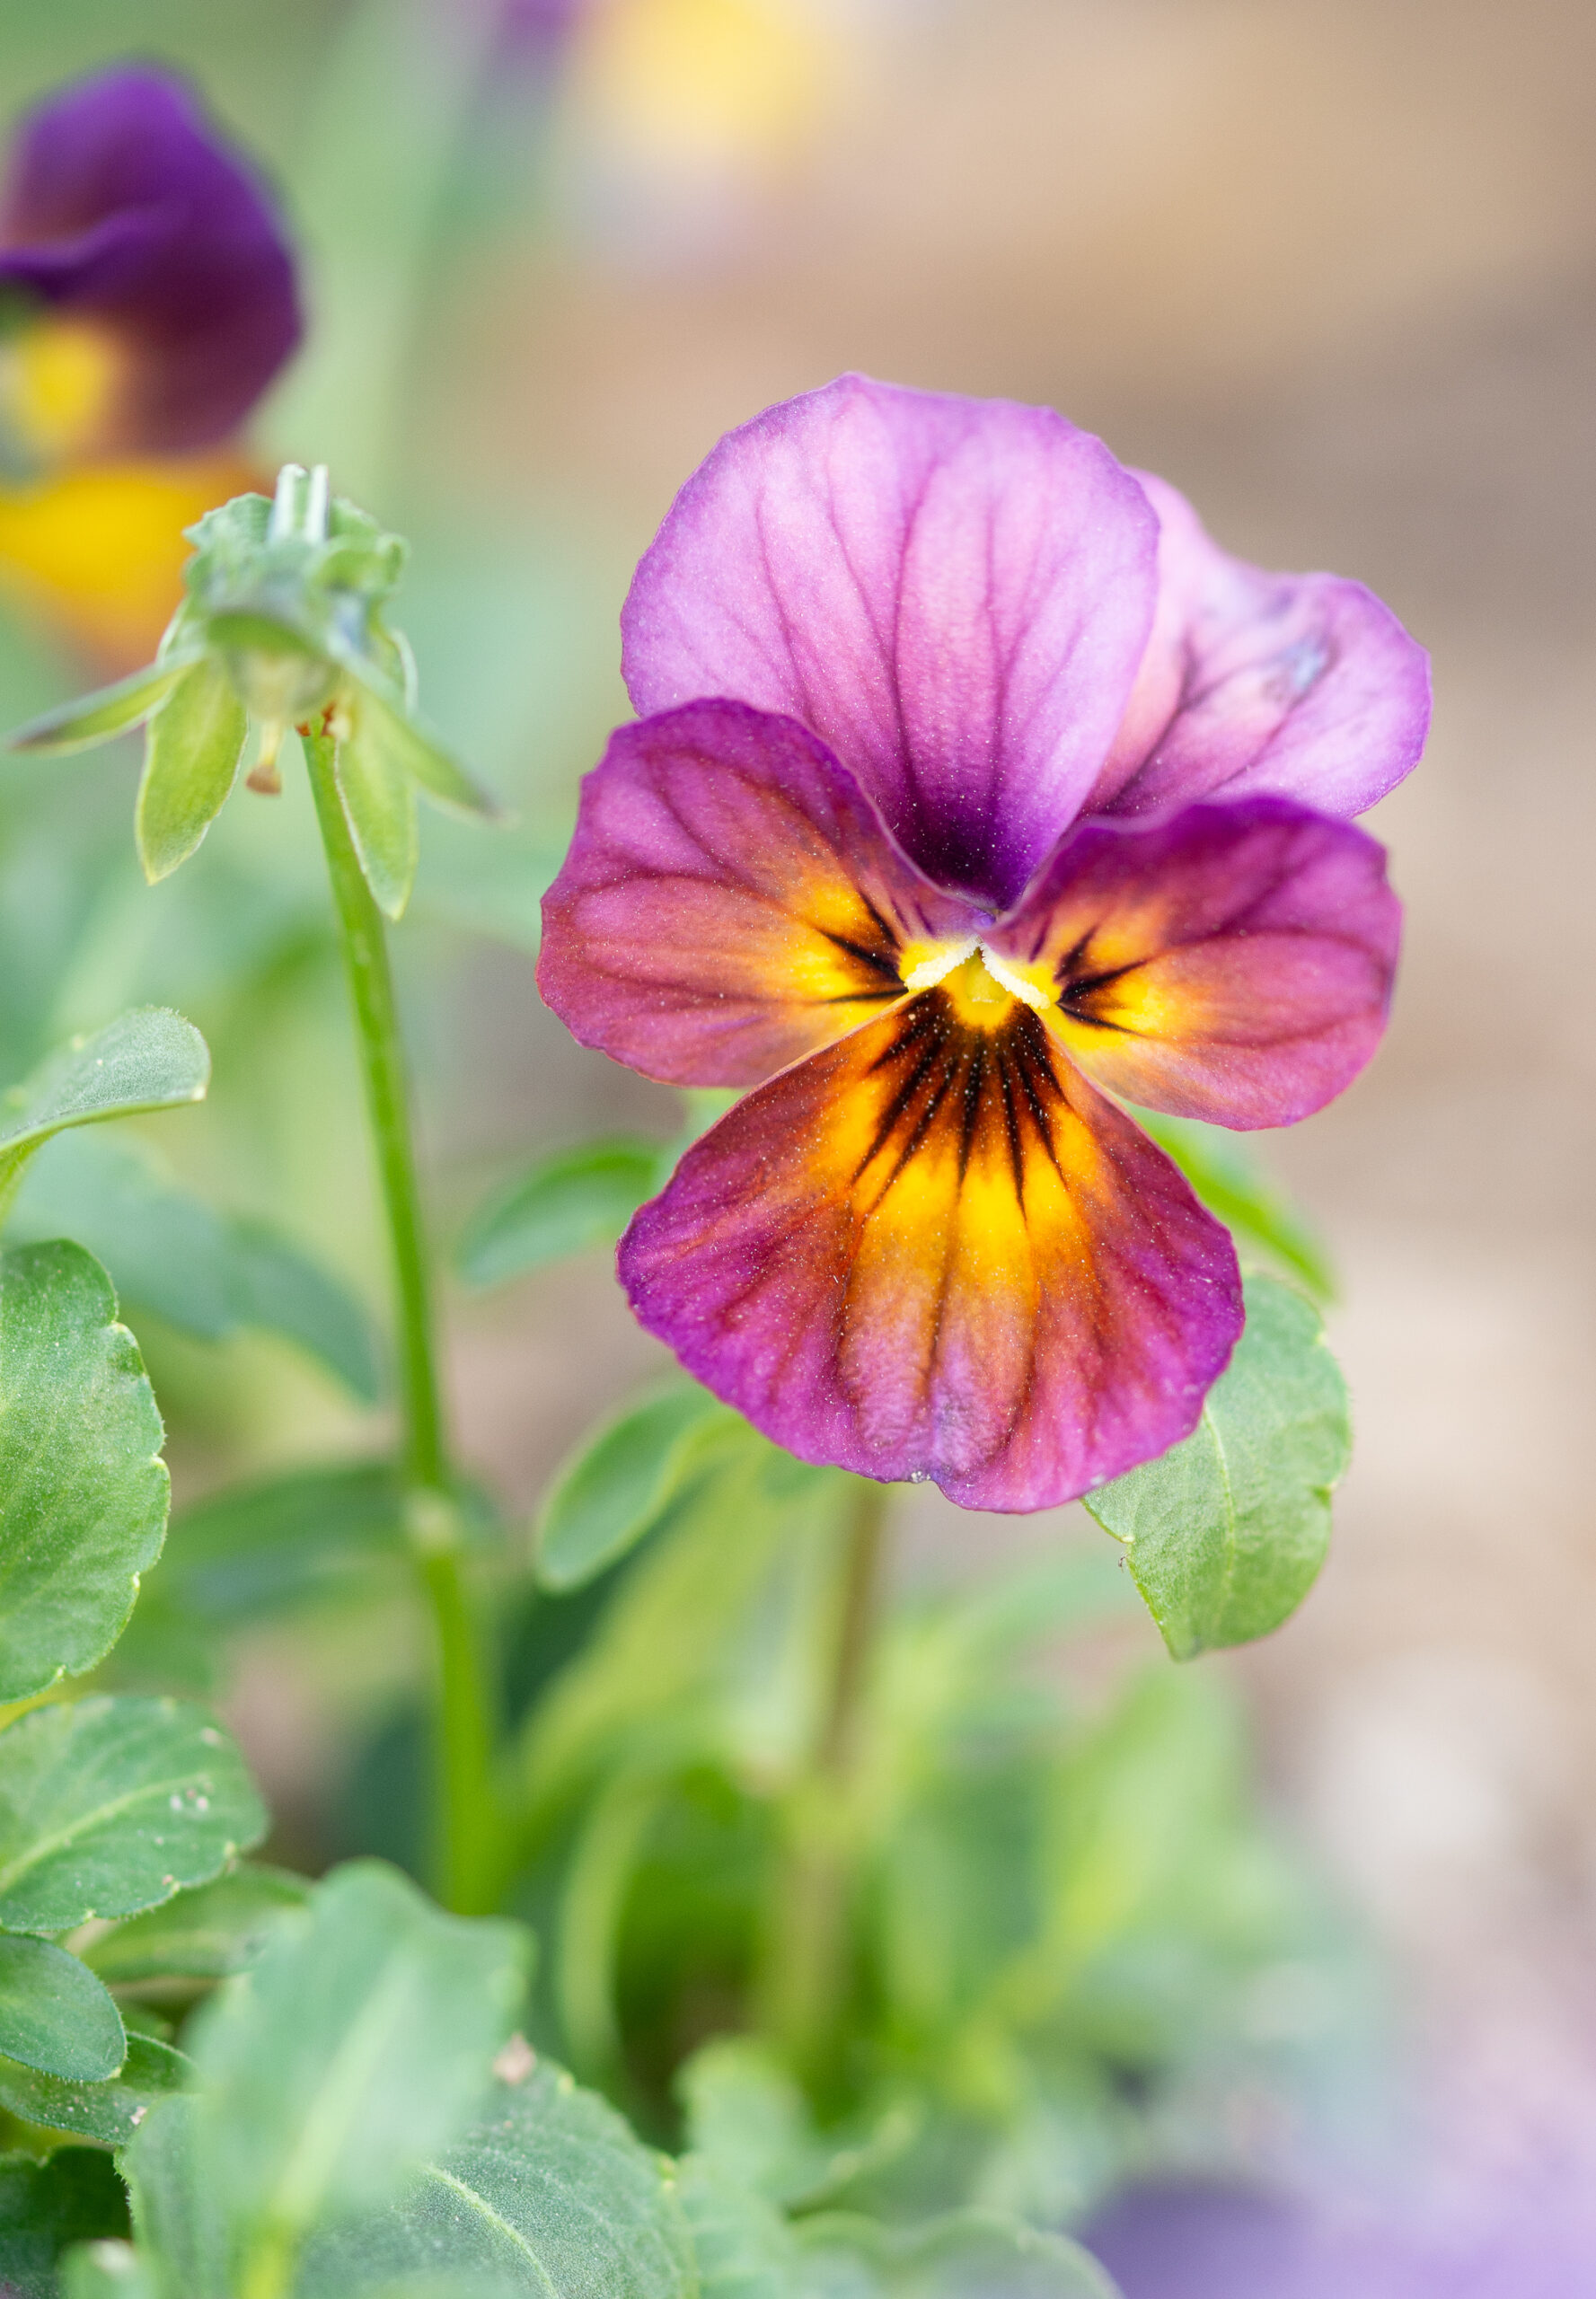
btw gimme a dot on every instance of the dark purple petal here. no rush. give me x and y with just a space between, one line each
124 209
1233 964
730 901
935 1251
1302 685
954 594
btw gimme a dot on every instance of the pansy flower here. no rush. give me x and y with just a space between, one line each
147 298
975 794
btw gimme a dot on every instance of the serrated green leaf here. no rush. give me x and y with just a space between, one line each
208 1933
1225 1534
352 2048
612 1491
82 1489
91 718
55 2015
72 2197
952 2257
1232 1184
112 1804
209 1274
578 1197
110 2111
106 2270
379 803
192 750
150 1059
549 2190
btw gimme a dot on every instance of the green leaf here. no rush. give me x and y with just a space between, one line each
1232 1184
168 1252
413 750
82 1490
578 1197
742 2246
620 1485
1225 1534
953 2258
195 741
379 802
549 2190
353 2047
150 1059
91 718
111 1805
72 2197
257 1551
55 2015
111 2110
208 1933
106 2270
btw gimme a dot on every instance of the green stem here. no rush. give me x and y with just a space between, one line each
463 1822
806 1982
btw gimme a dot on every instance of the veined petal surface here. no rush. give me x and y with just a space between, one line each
1304 685
934 1250
1233 963
134 226
731 900
954 594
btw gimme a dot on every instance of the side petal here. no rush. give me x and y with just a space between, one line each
936 1252
1233 963
730 901
127 215
1304 685
954 594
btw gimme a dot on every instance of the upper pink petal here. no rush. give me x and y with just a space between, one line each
1301 686
954 594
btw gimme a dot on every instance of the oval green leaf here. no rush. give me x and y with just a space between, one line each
113 1804
55 2015
195 741
111 2110
149 1058
1225 1534
578 1197
618 1485
82 1489
208 1933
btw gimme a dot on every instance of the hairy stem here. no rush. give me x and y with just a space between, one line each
462 1819
806 1983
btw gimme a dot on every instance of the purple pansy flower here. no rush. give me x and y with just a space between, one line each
974 788
154 290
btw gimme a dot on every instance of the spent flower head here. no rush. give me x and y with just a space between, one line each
282 626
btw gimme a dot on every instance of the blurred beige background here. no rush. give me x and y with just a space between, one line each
1330 265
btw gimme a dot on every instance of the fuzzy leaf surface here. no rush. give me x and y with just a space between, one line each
110 2111
1225 1534
112 1804
55 2015
149 1058
82 1489
208 1933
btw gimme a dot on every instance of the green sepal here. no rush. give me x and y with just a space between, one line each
55 2015
147 1059
111 2110
379 803
112 1804
619 1484
578 1197
415 750
1225 1533
195 741
109 710
80 1520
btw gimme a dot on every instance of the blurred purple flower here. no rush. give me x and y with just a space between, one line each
153 291
1012 795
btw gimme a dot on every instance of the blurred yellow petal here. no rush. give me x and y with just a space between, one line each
59 379
690 82
99 552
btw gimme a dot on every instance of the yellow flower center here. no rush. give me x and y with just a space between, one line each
58 381
983 988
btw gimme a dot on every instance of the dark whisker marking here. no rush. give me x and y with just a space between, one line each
974 1076
866 958
882 926
1023 1054
1090 981
922 1124
859 997
898 1105
1011 1129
